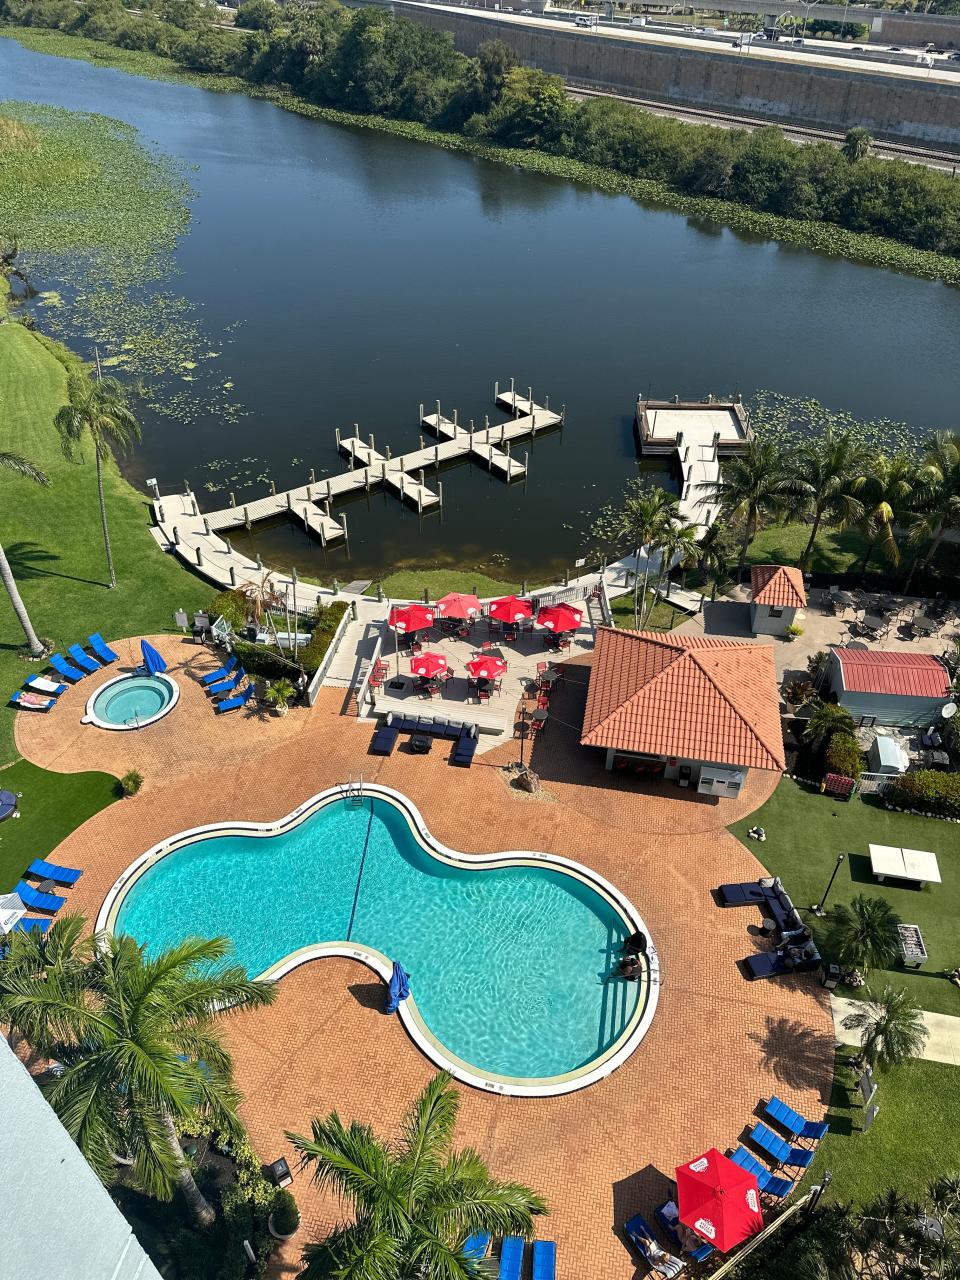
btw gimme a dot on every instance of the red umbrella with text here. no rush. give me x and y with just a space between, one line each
487 667
407 619
428 664
510 609
560 617
458 605
718 1200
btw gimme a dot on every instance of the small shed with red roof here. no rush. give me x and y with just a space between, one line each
906 689
776 592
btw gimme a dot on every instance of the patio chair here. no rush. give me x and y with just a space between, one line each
510 633
63 668
669 1218
416 647
385 738
640 1235
102 649
770 1184
232 704
777 1149
466 747
49 688
228 668
83 660
37 901
53 871
750 892
25 701
544 1260
793 1121
541 668
32 924
511 1258
475 1247
483 695
543 700
227 686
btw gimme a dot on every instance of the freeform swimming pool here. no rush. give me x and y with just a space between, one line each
508 954
131 701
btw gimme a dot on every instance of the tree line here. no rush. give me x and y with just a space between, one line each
369 62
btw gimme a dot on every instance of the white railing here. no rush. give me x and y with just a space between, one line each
875 783
362 689
316 680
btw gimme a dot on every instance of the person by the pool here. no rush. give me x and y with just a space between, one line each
635 945
630 968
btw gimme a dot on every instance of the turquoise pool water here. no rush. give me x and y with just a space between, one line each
132 698
507 965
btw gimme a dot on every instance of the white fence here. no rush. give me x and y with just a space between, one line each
875 783
362 688
316 680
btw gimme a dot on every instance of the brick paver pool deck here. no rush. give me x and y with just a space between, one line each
717 1046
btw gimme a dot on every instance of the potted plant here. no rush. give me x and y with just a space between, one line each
793 631
280 694
284 1220
797 693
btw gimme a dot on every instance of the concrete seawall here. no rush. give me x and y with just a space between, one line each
816 97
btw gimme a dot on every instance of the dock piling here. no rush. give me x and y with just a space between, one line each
246 516
313 476
563 414
199 557
337 432
206 526
176 536
440 492
229 545
456 419
233 498
496 391
289 500
389 454
421 411
233 576
259 562
273 487
160 514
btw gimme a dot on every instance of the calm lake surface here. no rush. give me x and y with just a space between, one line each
373 273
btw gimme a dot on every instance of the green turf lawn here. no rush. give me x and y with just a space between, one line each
410 583
53 804
663 617
805 832
911 1142
836 552
52 536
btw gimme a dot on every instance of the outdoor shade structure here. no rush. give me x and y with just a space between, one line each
408 618
559 617
152 661
486 667
428 664
458 605
510 609
718 1200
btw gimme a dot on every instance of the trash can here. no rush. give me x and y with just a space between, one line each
830 976
683 775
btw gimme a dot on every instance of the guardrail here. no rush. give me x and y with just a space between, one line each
316 680
362 690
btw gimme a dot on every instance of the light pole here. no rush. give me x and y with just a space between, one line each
523 730
818 909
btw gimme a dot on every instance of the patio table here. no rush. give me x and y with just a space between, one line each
915 865
925 624
8 805
873 622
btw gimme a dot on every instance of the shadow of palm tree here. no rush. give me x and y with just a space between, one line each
797 1054
29 560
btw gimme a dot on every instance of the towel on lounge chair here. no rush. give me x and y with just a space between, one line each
25 701
49 688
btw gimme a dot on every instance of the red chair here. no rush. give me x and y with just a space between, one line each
484 695
463 633
498 685
541 668
416 647
543 702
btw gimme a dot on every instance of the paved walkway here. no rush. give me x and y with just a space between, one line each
943 1044
717 1047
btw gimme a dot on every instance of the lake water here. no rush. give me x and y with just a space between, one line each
373 273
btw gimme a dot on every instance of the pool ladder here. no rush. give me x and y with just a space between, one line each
354 792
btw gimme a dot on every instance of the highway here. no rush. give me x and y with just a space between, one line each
942 71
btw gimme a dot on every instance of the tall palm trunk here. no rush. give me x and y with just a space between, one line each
748 534
103 519
197 1203
661 570
866 557
19 608
636 590
921 561
808 550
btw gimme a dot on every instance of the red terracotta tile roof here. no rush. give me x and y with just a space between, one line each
911 675
692 696
777 585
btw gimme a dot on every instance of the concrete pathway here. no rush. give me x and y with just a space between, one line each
942 1046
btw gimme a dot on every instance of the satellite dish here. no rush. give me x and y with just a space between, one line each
949 711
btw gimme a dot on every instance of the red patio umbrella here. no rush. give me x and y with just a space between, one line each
428 664
718 1200
560 617
510 609
407 619
487 667
458 605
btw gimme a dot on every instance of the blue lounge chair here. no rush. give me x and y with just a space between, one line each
640 1234
33 924
669 1223
476 1246
102 649
231 704
781 1151
212 677
228 685
794 1123
46 688
82 659
769 1183
25 700
466 747
511 1258
544 1260
53 871
384 740
63 668
37 901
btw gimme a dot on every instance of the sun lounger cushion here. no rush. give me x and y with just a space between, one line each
37 901
544 1260
49 688
25 701
83 659
213 677
231 704
410 724
101 648
384 740
476 1246
740 895
464 751
769 1183
44 870
33 924
64 668
775 1146
511 1258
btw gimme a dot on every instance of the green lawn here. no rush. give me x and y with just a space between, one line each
806 831
53 804
911 1142
52 536
410 583
836 552
663 617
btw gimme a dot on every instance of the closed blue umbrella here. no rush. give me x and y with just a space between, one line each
152 661
399 987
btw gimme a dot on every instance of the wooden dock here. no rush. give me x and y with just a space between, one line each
202 540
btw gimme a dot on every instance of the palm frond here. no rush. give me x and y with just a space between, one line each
350 1161
352 1252
427 1131
22 466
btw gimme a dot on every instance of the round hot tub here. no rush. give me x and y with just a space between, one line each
132 701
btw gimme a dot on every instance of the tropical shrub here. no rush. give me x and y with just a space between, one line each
828 718
844 756
285 1214
865 933
262 660
313 653
232 607
131 782
891 1026
928 790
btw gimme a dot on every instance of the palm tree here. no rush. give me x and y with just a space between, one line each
263 595
677 545
640 522
888 488
21 467
142 1058
101 409
715 552
865 933
891 1028
831 471
414 1201
856 145
938 485
754 488
827 719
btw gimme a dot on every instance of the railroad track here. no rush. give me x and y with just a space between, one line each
702 115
